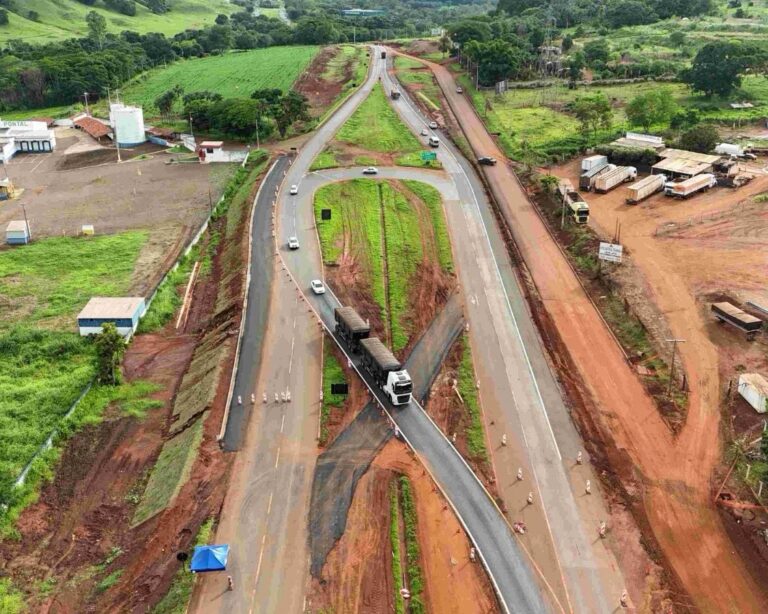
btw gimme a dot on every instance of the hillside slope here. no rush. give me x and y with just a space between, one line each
61 19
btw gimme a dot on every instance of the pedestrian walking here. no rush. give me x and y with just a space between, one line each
520 474
230 583
504 439
588 487
578 458
530 498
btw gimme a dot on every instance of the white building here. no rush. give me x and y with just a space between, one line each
122 311
127 124
32 137
213 151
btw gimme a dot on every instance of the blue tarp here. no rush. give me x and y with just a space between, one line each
209 558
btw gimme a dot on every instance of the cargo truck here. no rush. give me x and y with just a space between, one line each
607 181
386 370
726 312
350 327
578 208
588 178
645 187
587 164
689 187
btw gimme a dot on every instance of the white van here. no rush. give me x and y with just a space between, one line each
434 141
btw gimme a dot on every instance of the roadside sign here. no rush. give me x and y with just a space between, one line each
339 389
426 156
610 252
325 214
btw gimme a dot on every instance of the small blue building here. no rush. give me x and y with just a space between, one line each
122 311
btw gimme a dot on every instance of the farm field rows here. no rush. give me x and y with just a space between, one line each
233 75
61 19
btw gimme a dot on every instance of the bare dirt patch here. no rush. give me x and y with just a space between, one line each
323 92
359 568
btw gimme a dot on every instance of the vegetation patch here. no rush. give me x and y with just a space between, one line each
332 374
414 73
170 472
431 197
394 539
325 159
11 600
412 550
233 75
376 127
177 598
468 391
50 280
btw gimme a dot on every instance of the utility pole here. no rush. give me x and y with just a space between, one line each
87 110
26 221
562 215
674 343
117 142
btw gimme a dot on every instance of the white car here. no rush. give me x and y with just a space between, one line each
317 286
294 189
433 125
424 132
459 90
371 170
293 243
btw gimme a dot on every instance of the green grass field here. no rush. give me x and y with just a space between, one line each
233 75
468 390
376 127
415 73
48 281
62 19
356 208
332 374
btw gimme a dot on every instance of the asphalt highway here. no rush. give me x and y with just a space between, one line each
507 564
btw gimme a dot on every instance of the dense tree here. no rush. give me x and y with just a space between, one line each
97 27
469 30
652 108
315 31
629 13
110 347
576 64
125 7
593 112
3 17
497 60
718 67
596 50
291 108
702 138
165 101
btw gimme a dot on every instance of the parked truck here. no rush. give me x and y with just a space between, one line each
587 164
351 327
577 207
386 370
588 178
729 313
645 187
607 181
689 187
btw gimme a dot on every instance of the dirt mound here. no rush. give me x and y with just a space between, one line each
322 92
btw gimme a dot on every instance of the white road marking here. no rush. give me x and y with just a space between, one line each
269 505
38 164
277 458
261 556
282 424
290 362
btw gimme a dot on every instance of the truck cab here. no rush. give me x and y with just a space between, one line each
399 387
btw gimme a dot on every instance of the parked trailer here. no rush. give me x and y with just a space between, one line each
645 187
351 327
689 187
754 389
607 181
587 179
587 164
386 370
726 312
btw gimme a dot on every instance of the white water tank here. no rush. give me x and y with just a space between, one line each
128 124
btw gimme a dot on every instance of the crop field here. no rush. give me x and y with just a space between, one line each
355 230
232 75
61 19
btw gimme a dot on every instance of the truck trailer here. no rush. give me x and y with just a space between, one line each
587 164
351 327
726 312
689 187
607 181
386 370
588 178
645 187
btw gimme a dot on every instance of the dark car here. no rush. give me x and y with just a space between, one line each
486 161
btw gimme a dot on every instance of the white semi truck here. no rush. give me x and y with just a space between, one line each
386 370
689 187
607 181
577 206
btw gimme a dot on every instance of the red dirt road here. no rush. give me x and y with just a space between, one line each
675 474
